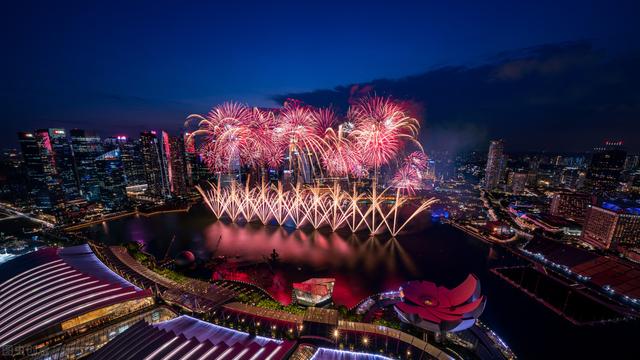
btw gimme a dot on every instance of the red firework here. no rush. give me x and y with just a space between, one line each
301 132
312 138
408 178
381 129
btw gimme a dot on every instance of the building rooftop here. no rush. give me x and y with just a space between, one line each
188 338
612 273
50 286
559 252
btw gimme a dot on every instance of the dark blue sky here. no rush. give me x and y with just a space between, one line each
120 66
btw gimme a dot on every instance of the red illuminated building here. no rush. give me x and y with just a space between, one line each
314 291
438 309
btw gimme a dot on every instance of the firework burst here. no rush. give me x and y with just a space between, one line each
313 140
381 128
409 178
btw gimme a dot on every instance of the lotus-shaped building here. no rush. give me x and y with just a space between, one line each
436 308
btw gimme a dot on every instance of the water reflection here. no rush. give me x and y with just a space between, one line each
315 249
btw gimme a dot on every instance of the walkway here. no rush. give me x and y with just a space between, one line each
193 295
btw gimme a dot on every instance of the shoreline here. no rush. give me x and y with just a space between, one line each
124 215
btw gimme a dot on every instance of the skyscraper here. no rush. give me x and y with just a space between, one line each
131 157
607 163
111 174
155 173
12 177
86 148
178 164
495 165
43 184
197 170
64 162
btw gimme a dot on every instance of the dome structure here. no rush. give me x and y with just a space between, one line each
185 258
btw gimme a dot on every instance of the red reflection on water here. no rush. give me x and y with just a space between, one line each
250 243
361 267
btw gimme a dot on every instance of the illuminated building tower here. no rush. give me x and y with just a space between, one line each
627 233
178 164
571 205
113 194
532 175
518 182
598 227
607 163
86 148
12 177
44 188
572 178
189 156
64 162
612 227
197 170
155 173
131 157
495 163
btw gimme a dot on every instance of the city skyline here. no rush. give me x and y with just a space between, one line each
335 180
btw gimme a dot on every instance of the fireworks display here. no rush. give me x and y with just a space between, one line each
373 211
314 140
314 143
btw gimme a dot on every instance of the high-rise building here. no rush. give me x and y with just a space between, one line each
43 183
12 177
64 162
197 170
632 162
495 164
571 205
131 157
572 178
32 163
599 226
607 163
612 227
518 182
154 164
113 193
86 148
178 165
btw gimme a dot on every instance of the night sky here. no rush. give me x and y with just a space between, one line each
553 75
